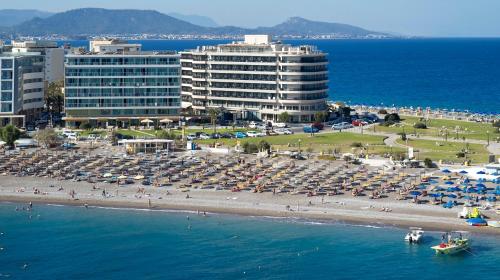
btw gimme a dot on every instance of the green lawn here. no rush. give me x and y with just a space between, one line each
469 130
441 150
319 142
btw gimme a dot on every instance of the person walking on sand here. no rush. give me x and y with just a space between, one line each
149 203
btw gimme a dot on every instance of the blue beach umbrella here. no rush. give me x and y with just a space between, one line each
463 172
480 185
433 182
422 187
454 189
448 183
481 172
492 198
466 181
415 193
446 171
451 195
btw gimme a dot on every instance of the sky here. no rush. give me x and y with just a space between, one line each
441 18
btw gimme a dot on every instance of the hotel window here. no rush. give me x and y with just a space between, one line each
6 85
6 63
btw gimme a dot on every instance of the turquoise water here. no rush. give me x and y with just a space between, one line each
460 74
61 242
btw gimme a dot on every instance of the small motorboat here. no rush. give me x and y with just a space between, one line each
415 235
453 242
477 222
495 224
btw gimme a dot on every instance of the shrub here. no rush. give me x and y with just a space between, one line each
250 148
356 145
420 125
392 117
9 134
382 111
388 123
496 124
460 154
428 163
85 126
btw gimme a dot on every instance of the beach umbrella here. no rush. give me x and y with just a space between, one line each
454 189
433 182
166 121
468 197
446 171
451 195
448 183
435 195
480 185
415 193
466 181
463 172
480 180
146 121
481 172
439 189
492 198
422 187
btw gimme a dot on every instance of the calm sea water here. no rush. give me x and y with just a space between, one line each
462 74
61 242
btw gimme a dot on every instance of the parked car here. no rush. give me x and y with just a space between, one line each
318 125
280 125
283 131
191 137
204 136
254 134
310 129
359 122
240 134
215 136
227 135
341 126
255 124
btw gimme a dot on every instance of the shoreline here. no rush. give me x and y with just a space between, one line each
387 221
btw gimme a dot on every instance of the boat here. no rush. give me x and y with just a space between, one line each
495 224
477 222
415 235
453 242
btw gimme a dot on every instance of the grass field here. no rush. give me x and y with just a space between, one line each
319 142
447 151
439 127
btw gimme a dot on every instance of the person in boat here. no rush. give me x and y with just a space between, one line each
410 239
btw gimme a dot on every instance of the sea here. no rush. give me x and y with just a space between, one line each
461 74
67 242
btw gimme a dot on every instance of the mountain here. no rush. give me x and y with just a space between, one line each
94 21
297 26
195 19
10 17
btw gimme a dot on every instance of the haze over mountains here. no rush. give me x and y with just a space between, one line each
96 21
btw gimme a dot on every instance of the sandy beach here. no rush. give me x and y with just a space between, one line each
340 208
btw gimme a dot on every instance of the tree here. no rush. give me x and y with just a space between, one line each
55 97
10 134
284 117
392 118
85 126
47 137
382 111
319 117
250 148
264 146
214 114
428 163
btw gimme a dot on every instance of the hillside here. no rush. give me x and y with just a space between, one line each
94 21
9 17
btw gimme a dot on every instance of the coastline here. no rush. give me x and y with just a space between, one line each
428 220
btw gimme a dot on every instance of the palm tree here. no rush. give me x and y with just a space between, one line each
214 114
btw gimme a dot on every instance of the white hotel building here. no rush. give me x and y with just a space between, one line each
256 79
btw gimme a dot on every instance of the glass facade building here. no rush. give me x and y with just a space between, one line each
22 86
121 86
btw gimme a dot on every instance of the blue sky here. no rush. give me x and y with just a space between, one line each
474 18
